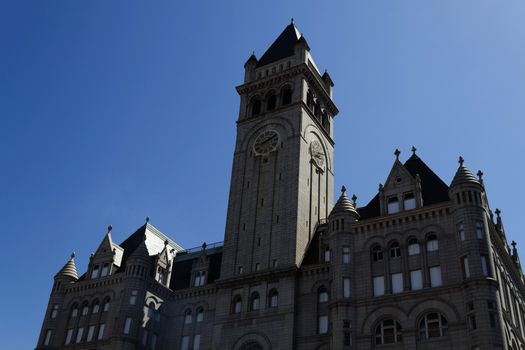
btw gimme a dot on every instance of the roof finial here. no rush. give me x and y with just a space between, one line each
354 200
461 161
513 244
397 152
414 149
204 245
291 22
480 175
110 227
498 212
343 190
72 255
166 242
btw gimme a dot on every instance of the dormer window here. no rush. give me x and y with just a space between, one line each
94 272
409 201
105 270
393 205
200 278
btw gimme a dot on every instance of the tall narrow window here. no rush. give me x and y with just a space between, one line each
74 311
480 232
395 250
413 247
323 295
393 205
144 340
197 342
379 286
85 309
274 298
432 243
287 96
185 343
435 276
327 254
346 287
272 100
153 341
127 325
54 311
347 339
493 314
237 304
105 270
96 307
256 107
465 267
377 254
94 272
416 279
409 201
106 305
461 231
133 297
255 301
323 324
188 317
69 336
200 315
485 265
80 333
91 333
346 255
101 331
397 283
47 339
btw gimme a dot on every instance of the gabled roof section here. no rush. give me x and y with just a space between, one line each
433 189
282 47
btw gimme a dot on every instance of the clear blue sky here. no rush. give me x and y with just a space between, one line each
111 111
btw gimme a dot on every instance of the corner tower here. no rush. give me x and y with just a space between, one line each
282 176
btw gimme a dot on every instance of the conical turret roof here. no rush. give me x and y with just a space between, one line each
344 204
69 269
141 252
463 175
282 47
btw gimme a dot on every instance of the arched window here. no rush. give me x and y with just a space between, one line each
106 305
188 317
388 332
255 301
85 308
271 102
256 107
433 325
327 254
74 310
237 304
286 96
96 307
377 254
323 294
395 250
199 315
432 243
413 246
273 298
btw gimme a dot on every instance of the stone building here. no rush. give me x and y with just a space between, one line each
423 265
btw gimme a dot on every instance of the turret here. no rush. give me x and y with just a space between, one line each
344 212
139 263
249 68
466 189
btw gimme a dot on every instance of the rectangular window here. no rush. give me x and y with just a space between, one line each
347 340
144 340
47 339
101 331
91 332
153 342
127 325
480 232
197 342
69 336
327 254
397 283
379 286
80 332
346 255
105 270
393 205
346 287
416 279
413 248
185 343
465 267
461 231
409 201
54 311
133 297
94 273
323 324
435 276
485 265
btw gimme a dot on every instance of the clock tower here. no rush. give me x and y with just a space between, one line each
282 176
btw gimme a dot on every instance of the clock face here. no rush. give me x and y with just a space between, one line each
266 142
316 150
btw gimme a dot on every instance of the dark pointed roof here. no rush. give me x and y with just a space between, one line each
343 205
282 47
69 269
433 189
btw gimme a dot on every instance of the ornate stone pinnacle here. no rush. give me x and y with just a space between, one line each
397 152
343 190
354 199
461 161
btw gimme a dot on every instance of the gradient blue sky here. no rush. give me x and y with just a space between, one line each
111 111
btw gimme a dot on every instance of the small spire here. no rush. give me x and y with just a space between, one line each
413 149
343 190
110 227
480 175
461 161
147 219
292 22
513 244
354 200
397 152
498 212
72 255
380 187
